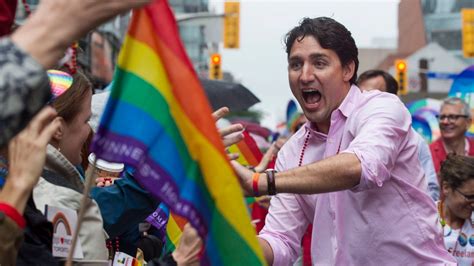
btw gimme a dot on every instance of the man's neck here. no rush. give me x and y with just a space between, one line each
321 127
456 145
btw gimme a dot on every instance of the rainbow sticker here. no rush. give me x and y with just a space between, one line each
59 81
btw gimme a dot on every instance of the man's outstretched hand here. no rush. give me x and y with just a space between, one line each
245 177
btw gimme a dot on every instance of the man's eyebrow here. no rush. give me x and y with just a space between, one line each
318 56
312 56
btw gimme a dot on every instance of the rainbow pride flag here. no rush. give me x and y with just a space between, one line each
174 231
158 120
248 150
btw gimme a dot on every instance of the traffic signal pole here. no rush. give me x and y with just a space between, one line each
401 76
423 66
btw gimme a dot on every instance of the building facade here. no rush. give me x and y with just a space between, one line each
193 35
442 21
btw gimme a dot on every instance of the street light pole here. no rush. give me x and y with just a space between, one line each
195 17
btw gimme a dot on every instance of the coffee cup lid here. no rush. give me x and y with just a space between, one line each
105 165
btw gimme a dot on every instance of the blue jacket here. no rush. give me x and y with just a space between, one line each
123 205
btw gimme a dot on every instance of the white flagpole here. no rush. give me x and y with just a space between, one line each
85 199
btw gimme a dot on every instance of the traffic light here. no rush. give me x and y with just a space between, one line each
467 15
215 68
401 76
232 25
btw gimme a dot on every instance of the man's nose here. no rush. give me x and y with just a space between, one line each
307 74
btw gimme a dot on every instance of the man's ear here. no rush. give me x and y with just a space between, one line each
58 135
348 71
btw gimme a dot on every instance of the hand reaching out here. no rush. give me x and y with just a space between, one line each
228 134
56 24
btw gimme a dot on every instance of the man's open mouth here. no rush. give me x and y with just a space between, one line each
311 96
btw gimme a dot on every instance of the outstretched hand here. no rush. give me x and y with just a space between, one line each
245 178
56 24
230 134
82 16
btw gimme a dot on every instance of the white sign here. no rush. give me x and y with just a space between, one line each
123 259
64 224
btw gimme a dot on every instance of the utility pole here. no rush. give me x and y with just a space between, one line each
423 69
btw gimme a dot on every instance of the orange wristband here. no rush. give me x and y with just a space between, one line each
255 183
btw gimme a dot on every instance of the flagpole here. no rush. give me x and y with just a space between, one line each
82 210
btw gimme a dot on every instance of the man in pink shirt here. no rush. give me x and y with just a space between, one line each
361 185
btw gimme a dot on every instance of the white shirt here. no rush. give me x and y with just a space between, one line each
460 243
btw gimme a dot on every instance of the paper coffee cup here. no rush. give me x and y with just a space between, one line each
105 168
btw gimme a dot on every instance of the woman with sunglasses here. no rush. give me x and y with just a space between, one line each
456 209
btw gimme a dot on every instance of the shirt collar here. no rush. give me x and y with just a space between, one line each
314 132
348 104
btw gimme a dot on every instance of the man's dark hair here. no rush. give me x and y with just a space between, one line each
331 35
390 83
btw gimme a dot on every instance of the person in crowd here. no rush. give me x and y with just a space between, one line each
26 156
61 185
454 121
352 170
375 79
118 209
383 81
456 209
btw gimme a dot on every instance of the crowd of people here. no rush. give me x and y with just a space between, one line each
353 179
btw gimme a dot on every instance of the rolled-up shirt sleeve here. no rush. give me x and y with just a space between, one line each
379 130
285 225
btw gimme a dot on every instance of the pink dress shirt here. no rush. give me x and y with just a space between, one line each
387 219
